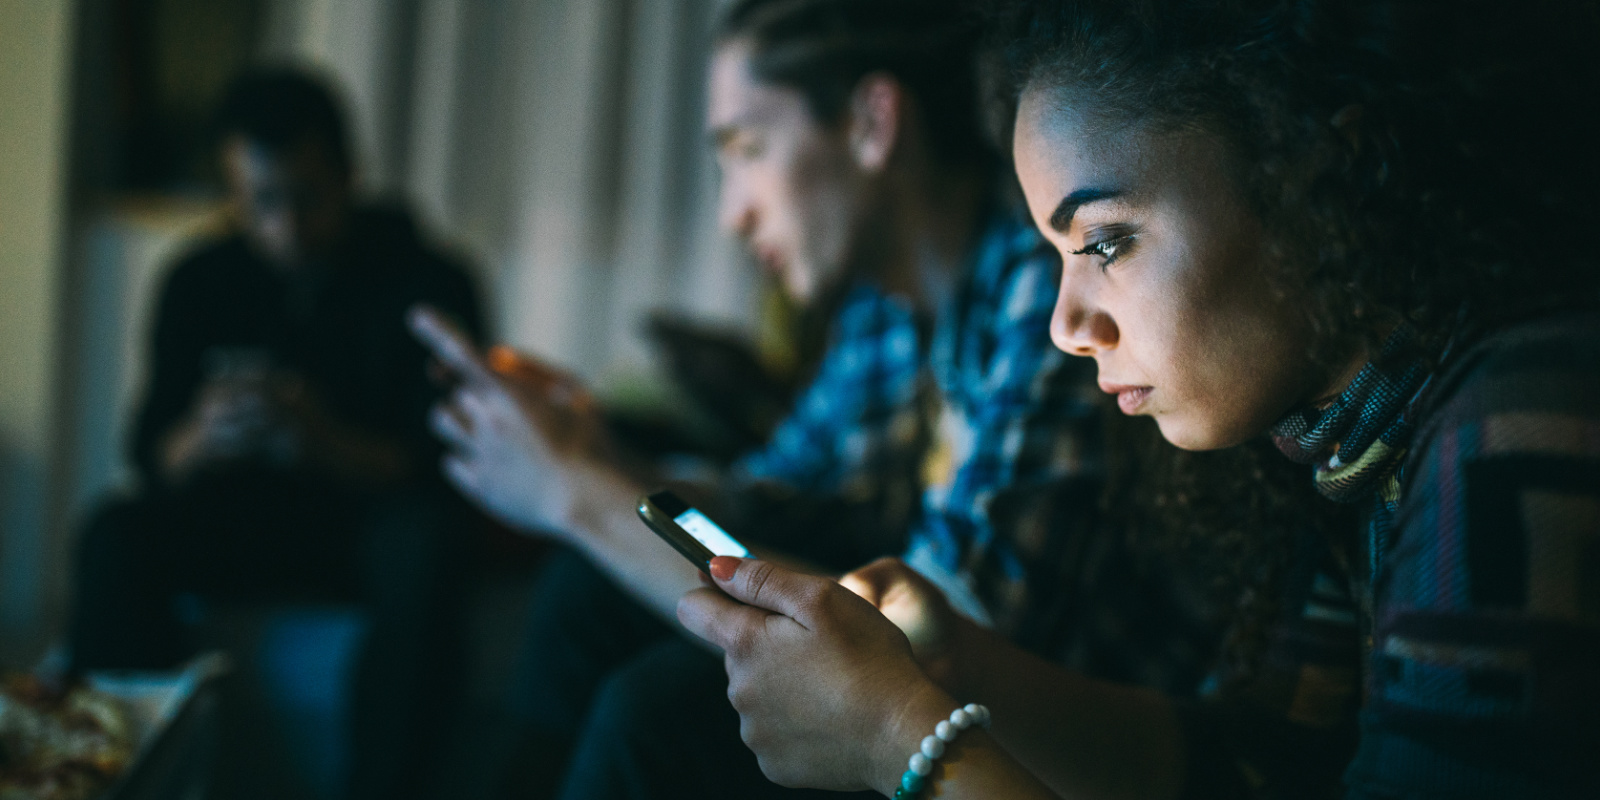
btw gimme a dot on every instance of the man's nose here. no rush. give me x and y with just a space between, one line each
1079 326
736 214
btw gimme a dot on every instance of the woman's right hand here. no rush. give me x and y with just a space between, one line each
828 692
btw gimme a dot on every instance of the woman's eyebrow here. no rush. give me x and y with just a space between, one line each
1061 218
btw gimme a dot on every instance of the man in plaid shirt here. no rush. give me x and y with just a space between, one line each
934 430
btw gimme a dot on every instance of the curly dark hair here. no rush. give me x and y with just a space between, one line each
1425 162
1225 522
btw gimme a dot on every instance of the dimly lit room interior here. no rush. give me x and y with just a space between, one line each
520 135
501 400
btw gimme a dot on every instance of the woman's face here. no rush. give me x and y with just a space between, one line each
1164 279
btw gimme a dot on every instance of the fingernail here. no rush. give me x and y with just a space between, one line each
723 567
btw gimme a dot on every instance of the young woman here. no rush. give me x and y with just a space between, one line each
1358 228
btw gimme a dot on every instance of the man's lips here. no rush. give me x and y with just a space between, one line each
769 257
1129 398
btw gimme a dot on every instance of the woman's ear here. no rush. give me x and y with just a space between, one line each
877 111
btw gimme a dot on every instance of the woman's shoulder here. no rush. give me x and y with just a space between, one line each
1523 386
1506 467
1487 634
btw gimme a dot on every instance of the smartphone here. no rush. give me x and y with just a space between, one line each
688 531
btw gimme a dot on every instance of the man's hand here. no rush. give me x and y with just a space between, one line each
233 419
522 438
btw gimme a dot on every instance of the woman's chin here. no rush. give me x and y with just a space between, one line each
1195 435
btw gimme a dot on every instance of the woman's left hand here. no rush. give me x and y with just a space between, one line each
920 611
827 690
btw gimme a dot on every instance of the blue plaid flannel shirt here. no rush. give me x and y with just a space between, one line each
850 424
1006 408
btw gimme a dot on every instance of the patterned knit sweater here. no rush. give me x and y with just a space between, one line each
1454 650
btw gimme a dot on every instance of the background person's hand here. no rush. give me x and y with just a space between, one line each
822 681
234 418
519 444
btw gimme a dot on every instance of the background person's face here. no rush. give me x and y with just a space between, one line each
1173 302
293 204
789 189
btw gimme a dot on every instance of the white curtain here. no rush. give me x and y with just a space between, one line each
560 140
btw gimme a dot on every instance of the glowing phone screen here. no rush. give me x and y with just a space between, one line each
714 538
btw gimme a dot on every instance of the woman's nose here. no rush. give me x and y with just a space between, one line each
1079 327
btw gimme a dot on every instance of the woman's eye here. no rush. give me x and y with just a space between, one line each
1107 249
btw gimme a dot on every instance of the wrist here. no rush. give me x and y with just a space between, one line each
922 709
602 498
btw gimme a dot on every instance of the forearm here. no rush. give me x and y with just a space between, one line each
1082 737
973 766
605 527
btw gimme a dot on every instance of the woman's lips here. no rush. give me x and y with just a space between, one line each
1129 398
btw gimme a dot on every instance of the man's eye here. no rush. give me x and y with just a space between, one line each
742 148
1107 249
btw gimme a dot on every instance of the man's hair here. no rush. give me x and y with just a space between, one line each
281 108
823 48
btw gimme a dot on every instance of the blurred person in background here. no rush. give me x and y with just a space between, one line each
854 164
282 445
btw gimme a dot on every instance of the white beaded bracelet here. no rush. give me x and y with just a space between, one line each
915 778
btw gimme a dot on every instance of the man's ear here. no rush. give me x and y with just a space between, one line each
877 112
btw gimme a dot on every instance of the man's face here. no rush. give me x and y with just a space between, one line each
292 204
790 187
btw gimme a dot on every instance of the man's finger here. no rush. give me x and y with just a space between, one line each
460 475
448 425
448 344
710 615
766 585
476 410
